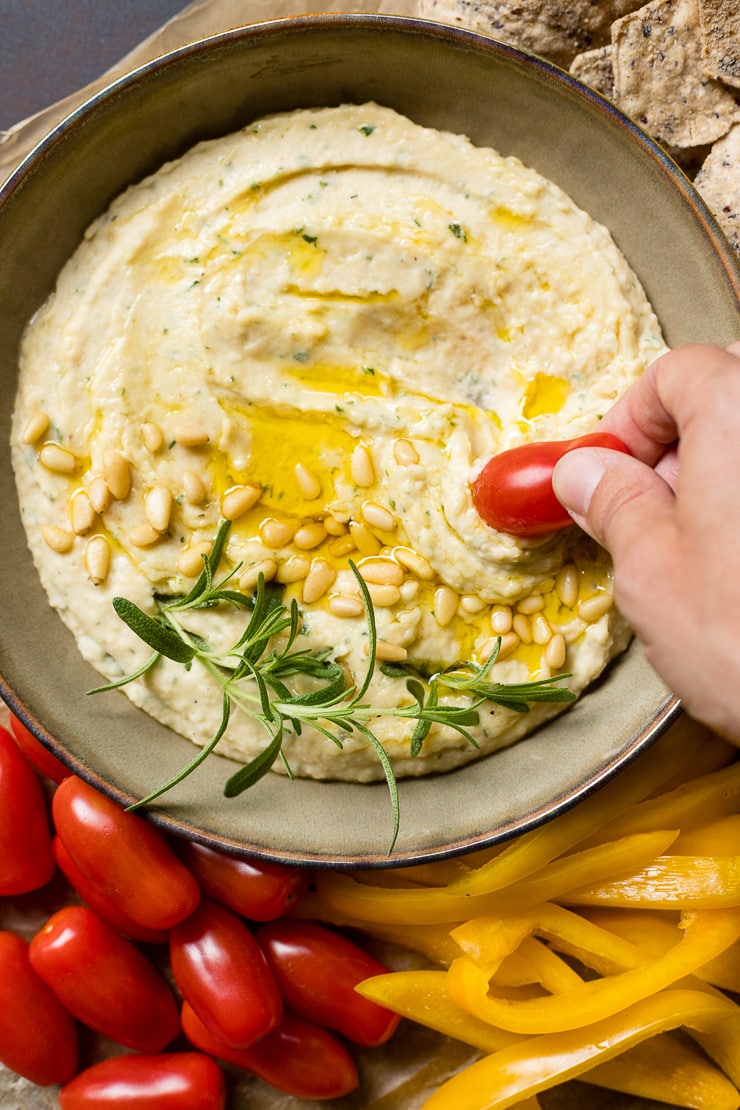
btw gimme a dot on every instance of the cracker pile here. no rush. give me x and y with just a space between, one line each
671 65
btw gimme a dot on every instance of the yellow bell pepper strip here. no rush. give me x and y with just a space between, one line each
705 935
384 904
721 838
697 802
499 1081
669 883
663 1068
531 851
422 996
484 940
555 975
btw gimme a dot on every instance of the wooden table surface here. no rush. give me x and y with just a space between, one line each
50 48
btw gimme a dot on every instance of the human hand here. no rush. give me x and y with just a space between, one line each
674 532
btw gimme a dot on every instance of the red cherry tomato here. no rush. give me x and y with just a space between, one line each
222 972
317 970
513 492
38 1037
255 889
104 980
299 1058
124 855
99 902
167 1081
26 860
40 757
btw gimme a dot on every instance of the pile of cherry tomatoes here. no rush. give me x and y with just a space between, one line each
247 984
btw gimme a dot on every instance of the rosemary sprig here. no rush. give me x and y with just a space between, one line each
257 676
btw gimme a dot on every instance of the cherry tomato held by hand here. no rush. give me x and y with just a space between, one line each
26 860
38 1037
124 855
167 1081
222 972
299 1057
513 492
45 762
255 889
317 970
97 900
104 980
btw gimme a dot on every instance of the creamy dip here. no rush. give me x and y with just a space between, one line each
321 327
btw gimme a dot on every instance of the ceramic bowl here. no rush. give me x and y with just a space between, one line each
439 76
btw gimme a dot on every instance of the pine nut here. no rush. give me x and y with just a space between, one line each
143 535
37 425
377 516
250 577
445 605
390 653
158 508
541 631
532 604
308 483
151 436
471 603
416 563
521 625
334 527
566 585
57 458
383 572
58 539
383 597
321 575
97 559
190 563
501 619
82 513
343 605
99 494
117 474
310 535
405 453
555 652
509 643
341 546
595 607
293 569
275 533
238 500
486 648
361 467
364 540
190 435
194 487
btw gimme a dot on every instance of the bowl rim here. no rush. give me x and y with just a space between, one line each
666 713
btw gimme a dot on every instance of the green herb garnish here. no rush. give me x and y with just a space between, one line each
256 676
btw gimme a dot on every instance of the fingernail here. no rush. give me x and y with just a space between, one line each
575 478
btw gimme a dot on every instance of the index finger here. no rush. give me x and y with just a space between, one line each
654 413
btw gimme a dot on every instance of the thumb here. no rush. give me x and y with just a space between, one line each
617 499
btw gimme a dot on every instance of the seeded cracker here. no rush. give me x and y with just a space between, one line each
556 29
720 32
659 79
595 68
718 181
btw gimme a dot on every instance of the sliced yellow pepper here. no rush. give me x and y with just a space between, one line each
705 935
721 838
669 883
501 1080
343 894
533 850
